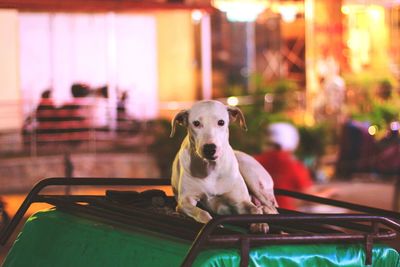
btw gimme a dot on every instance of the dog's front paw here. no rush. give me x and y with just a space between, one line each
269 209
203 217
259 228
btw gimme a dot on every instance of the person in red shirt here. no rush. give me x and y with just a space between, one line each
278 159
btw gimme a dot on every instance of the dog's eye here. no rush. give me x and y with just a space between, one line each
196 123
221 122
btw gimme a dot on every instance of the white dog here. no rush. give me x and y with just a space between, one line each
207 169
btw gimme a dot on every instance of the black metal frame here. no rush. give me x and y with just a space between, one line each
206 236
365 228
34 196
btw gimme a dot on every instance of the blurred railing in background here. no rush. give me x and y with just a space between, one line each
74 139
82 125
73 126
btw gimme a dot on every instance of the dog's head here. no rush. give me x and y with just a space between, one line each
207 125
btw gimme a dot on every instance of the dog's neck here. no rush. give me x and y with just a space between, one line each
198 166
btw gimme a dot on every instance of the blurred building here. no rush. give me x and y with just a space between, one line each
146 50
168 52
307 42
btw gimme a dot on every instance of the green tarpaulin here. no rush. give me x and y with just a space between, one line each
55 238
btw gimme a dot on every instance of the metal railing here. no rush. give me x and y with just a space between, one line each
299 228
69 127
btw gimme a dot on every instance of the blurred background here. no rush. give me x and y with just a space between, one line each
88 89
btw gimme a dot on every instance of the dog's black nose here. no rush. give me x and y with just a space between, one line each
209 151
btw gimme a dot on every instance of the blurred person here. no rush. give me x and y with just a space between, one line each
357 149
329 101
39 120
46 103
279 160
387 159
77 109
75 117
122 116
46 113
4 217
125 123
100 109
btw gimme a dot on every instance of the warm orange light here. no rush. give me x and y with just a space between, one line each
196 15
233 101
366 36
241 10
345 10
372 130
376 12
288 10
288 13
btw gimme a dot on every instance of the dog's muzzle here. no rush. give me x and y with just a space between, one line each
209 151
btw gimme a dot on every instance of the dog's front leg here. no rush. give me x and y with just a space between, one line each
247 207
187 205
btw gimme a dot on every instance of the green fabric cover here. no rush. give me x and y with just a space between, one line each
54 238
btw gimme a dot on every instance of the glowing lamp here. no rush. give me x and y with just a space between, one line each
241 10
395 126
288 10
197 15
372 129
233 101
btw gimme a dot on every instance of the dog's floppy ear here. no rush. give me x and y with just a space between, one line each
236 114
181 118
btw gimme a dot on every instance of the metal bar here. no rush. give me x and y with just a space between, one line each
347 225
337 203
295 238
310 227
311 218
199 242
369 243
72 198
244 252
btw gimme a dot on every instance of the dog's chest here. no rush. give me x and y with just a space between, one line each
216 185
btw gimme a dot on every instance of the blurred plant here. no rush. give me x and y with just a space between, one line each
236 90
381 115
385 89
252 140
313 141
368 80
373 100
164 148
281 93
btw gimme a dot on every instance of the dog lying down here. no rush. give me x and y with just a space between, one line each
207 170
